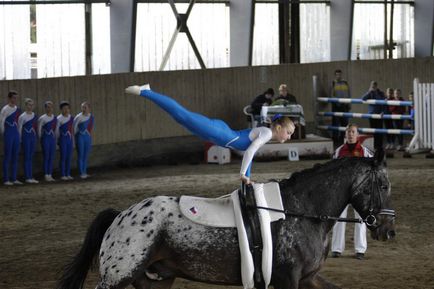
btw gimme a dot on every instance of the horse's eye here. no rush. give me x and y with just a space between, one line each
384 187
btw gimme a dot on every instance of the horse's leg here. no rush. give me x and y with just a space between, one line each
317 282
145 283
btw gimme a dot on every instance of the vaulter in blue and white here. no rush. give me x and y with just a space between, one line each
11 138
27 126
46 131
83 126
65 140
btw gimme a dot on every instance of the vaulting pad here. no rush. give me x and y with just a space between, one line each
219 212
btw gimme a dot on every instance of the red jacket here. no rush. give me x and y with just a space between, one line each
358 151
397 109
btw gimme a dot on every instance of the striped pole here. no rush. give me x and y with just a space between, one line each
365 115
361 101
369 130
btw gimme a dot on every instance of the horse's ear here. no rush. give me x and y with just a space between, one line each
379 157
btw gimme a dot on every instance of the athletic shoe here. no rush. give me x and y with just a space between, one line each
336 254
359 256
84 176
17 182
8 183
70 178
135 89
32 181
49 178
64 178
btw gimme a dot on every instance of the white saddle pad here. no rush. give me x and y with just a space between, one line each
219 212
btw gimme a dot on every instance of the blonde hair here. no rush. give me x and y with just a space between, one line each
283 87
28 100
283 121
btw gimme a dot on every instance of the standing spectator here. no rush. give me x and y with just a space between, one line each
390 138
375 93
11 138
339 89
46 131
264 99
27 126
411 111
285 96
352 148
398 123
65 140
83 126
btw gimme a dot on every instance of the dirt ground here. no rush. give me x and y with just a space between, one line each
42 226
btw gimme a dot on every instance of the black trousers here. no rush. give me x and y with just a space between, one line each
378 137
338 136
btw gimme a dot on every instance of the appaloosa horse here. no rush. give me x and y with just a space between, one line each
151 243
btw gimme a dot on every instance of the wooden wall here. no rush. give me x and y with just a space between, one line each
220 93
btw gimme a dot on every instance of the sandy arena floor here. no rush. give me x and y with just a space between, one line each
42 226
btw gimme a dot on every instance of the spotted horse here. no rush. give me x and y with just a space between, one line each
152 243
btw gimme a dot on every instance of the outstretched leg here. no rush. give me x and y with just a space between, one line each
214 130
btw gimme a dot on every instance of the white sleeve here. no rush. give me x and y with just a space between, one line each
56 131
263 137
40 126
2 119
21 123
75 124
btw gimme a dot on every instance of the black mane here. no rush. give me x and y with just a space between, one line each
318 168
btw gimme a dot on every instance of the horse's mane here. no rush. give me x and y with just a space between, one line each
332 165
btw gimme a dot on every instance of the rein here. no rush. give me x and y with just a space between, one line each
370 220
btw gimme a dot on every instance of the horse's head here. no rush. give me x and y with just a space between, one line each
371 198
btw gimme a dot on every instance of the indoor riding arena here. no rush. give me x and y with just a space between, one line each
278 115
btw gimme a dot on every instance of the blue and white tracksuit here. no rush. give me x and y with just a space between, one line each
27 126
11 137
214 130
46 131
65 142
83 126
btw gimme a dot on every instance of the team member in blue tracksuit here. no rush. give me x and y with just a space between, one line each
27 126
11 137
65 140
217 131
46 131
83 126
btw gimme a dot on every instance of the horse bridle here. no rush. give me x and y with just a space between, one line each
370 220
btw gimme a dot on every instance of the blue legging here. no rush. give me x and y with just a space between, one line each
65 145
83 142
48 144
11 151
28 144
214 130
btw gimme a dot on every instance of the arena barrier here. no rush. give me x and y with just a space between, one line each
423 117
366 115
423 138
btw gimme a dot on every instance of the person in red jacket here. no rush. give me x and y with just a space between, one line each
398 123
351 148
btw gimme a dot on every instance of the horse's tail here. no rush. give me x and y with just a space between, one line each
74 273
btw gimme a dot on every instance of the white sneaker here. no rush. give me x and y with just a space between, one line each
64 178
84 176
8 183
135 89
49 178
70 178
17 182
34 181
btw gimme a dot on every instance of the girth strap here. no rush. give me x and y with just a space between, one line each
252 225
